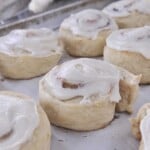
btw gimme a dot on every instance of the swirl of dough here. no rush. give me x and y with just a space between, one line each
88 23
86 78
135 40
124 7
29 42
18 120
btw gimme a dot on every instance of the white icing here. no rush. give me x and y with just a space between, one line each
93 78
39 5
134 40
88 23
30 42
145 131
123 8
18 120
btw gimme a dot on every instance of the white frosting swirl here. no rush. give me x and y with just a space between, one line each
86 78
18 120
123 8
29 42
145 130
134 40
88 23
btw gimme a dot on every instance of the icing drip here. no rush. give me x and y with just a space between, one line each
86 78
134 40
125 7
29 42
88 23
18 120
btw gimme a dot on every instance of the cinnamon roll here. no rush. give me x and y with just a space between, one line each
23 123
129 13
82 94
83 34
129 48
28 53
141 127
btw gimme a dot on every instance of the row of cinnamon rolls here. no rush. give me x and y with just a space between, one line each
82 94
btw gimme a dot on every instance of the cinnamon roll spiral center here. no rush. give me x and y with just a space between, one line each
134 40
89 23
125 7
85 78
92 21
18 120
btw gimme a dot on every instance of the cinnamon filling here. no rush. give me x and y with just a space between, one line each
115 9
7 135
94 21
125 6
71 86
140 38
31 34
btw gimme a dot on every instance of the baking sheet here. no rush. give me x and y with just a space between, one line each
16 10
53 18
10 8
116 136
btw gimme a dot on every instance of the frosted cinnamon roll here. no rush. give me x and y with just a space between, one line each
28 53
23 123
129 13
82 94
141 127
129 48
84 33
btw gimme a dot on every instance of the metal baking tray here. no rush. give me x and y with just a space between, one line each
10 8
53 17
117 135
14 10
